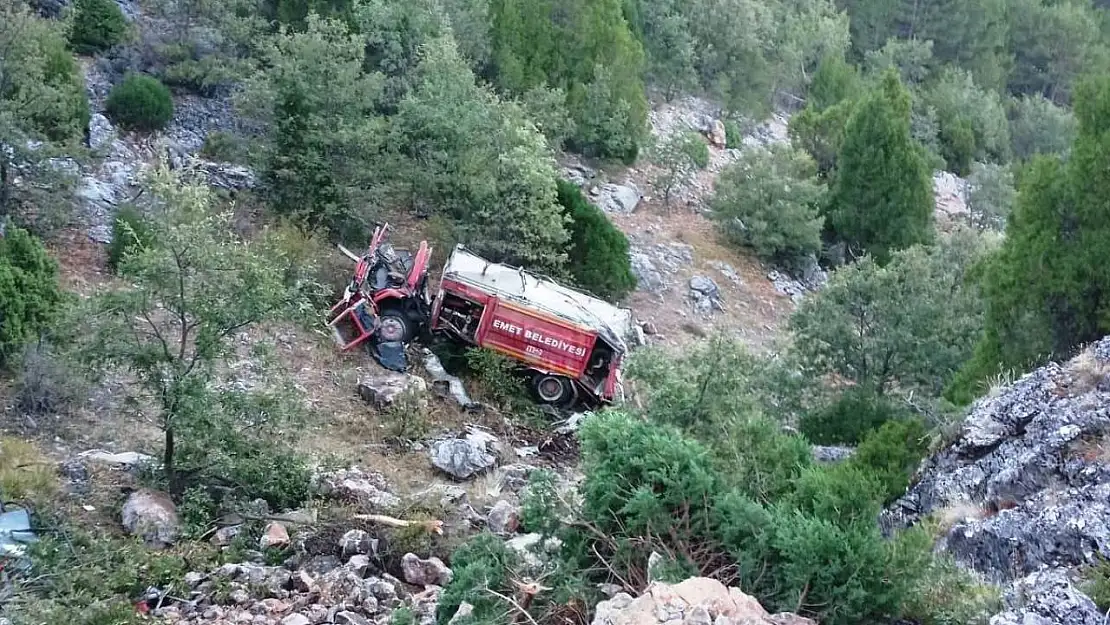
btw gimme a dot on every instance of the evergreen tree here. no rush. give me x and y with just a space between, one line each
598 253
1048 291
882 200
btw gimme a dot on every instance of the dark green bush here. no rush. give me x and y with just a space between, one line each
30 297
734 135
140 103
598 253
67 117
484 562
890 455
130 231
854 413
97 26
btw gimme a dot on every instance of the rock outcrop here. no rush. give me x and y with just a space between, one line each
151 516
695 601
1025 488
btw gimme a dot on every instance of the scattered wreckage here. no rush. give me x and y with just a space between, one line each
571 343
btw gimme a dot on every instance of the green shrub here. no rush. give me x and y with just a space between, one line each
130 232
849 418
734 135
484 562
498 376
842 493
97 26
946 594
47 384
698 151
140 103
890 455
66 116
770 200
598 254
30 297
224 147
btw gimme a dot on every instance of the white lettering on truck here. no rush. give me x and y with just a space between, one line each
538 337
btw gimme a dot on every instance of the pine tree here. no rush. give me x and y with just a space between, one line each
1047 290
882 200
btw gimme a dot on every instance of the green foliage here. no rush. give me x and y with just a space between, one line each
1044 289
97 26
913 59
598 254
1037 126
991 195
678 157
586 48
734 135
1097 583
88 577
770 200
207 286
891 454
821 133
140 103
850 417
540 506
130 233
48 383
1054 44
946 594
547 108
497 375
44 112
973 125
479 161
844 493
836 80
322 153
296 13
882 199
908 325
483 562
30 297
224 147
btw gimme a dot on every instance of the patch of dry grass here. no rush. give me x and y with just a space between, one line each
1087 373
25 473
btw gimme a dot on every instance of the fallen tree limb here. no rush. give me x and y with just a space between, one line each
434 526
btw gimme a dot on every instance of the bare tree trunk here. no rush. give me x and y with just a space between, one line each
167 462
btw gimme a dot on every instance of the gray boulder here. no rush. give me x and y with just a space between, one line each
619 198
382 388
1047 598
425 572
152 516
466 457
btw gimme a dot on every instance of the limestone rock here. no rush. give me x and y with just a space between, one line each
275 535
425 572
698 600
383 388
354 484
504 518
465 457
356 542
1047 597
152 516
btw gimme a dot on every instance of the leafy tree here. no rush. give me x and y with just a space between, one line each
970 34
771 200
678 158
185 300
394 33
140 103
912 58
850 417
547 109
598 256
323 152
907 325
991 195
30 298
586 48
97 26
130 231
821 133
969 115
296 13
479 161
1045 290
836 80
42 99
1037 126
206 45
1054 43
882 199
670 48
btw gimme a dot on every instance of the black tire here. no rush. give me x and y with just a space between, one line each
553 390
395 326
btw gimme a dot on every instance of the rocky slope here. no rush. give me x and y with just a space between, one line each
1023 494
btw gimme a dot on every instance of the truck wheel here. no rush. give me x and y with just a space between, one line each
553 389
394 326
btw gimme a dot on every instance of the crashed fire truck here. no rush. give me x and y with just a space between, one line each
570 343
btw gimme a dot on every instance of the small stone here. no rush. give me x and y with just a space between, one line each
464 611
350 618
383 590
359 564
358 542
649 328
425 572
504 518
193 579
303 582
152 516
296 619
275 535
225 535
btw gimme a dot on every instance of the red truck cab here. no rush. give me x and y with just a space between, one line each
572 342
